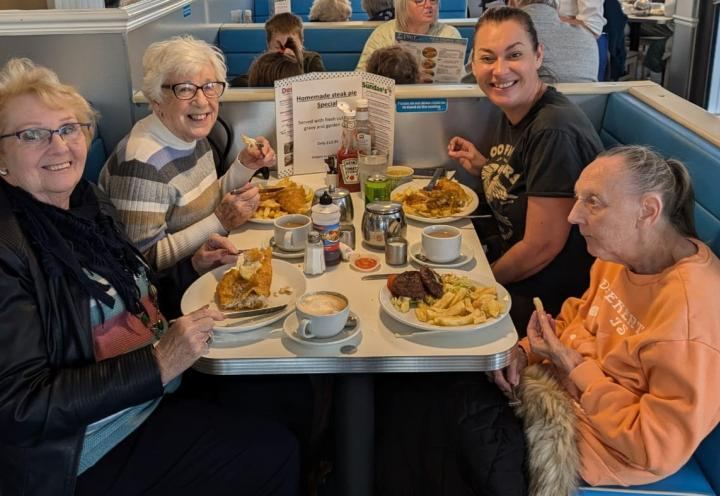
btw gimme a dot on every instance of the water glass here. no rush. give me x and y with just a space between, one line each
369 165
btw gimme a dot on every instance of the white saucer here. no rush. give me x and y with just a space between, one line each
290 327
281 253
466 255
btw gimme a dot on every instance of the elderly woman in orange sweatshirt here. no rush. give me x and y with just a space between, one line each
635 362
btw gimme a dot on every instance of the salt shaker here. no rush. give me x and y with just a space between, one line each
314 255
395 250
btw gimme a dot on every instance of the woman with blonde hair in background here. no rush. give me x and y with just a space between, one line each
411 16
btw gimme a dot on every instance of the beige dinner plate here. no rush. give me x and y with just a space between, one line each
260 184
469 208
410 319
285 275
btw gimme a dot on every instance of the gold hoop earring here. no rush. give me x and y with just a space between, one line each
4 172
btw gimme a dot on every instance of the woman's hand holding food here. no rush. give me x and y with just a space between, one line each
509 377
544 342
185 341
216 251
257 153
238 206
465 152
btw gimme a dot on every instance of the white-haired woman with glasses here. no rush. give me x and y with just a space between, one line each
90 368
162 176
411 16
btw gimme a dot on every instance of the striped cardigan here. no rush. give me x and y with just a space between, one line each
166 190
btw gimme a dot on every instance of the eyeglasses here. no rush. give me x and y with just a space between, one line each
38 136
422 2
187 91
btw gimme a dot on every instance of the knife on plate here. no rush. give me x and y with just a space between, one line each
250 313
374 277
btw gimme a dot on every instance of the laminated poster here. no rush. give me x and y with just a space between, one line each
441 60
308 122
279 6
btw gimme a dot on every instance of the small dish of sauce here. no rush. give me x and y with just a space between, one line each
364 262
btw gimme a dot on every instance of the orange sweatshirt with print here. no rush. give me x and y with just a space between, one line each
648 387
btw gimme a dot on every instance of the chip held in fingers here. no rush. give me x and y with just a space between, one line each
251 142
538 305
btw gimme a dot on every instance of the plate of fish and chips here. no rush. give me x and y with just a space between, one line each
459 303
256 281
447 201
281 198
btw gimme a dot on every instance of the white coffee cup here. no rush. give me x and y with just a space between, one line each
321 314
441 243
291 231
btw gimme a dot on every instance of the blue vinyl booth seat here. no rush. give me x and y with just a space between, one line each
340 47
629 121
95 159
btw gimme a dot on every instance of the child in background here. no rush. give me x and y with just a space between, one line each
279 29
276 65
395 63
282 27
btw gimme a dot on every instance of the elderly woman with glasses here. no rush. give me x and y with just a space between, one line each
411 16
89 367
162 176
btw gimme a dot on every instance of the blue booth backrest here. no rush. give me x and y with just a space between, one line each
95 159
340 47
630 121
449 9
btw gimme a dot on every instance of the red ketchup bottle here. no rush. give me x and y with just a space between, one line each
347 155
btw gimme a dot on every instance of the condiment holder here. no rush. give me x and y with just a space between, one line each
340 197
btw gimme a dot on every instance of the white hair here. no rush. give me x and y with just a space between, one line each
330 10
180 55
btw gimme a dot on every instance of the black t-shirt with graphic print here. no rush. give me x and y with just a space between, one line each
542 156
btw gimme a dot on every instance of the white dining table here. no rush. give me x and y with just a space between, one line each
383 345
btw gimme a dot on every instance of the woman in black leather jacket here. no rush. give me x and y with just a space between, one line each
87 362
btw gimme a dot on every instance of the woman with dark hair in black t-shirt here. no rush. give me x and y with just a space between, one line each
455 434
528 173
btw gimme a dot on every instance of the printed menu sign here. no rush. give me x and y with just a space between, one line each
308 122
279 6
441 60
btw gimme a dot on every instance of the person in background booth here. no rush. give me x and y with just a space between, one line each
89 367
282 27
379 10
280 30
162 177
636 359
585 13
271 66
330 11
394 62
535 155
570 52
411 16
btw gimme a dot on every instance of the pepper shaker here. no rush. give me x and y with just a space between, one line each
395 250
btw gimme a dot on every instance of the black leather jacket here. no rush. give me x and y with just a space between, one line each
51 388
